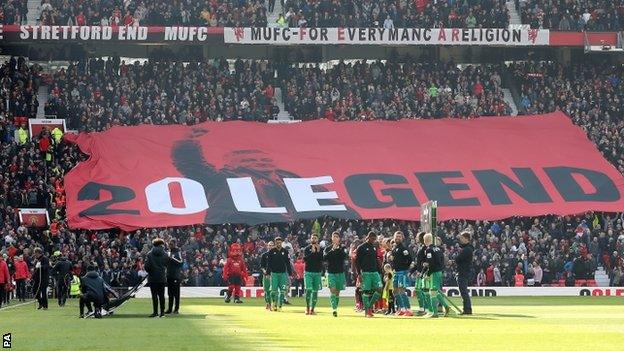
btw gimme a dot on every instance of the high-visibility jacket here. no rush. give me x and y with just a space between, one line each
22 136
57 134
74 287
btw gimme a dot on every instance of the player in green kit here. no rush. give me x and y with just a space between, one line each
335 255
266 276
368 268
419 287
434 265
313 258
280 268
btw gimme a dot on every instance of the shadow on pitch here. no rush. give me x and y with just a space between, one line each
145 316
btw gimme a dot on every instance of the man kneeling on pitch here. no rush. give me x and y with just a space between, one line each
92 291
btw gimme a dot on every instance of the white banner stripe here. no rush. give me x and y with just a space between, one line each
384 36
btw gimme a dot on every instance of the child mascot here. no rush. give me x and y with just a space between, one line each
235 273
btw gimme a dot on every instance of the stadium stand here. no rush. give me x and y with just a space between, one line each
300 13
96 94
575 15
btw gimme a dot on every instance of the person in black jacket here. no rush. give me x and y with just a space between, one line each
174 276
313 258
464 265
335 255
62 274
280 268
41 278
92 291
368 269
401 259
266 275
156 267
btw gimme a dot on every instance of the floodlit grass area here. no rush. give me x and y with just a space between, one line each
499 323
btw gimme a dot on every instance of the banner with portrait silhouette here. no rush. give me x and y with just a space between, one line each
245 172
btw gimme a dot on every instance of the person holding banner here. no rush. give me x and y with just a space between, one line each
434 265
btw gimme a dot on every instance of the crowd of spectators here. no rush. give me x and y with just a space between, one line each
366 91
572 15
297 13
591 94
95 94
14 12
100 93
152 13
393 13
563 15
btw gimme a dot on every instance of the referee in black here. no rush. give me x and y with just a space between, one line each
464 270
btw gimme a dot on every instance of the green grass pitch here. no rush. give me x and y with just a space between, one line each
499 323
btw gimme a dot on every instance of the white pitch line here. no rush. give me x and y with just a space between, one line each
14 306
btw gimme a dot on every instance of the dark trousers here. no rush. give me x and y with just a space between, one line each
21 289
173 290
299 287
62 290
42 296
271 5
158 297
391 307
462 283
86 300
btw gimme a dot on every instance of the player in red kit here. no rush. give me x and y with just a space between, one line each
235 273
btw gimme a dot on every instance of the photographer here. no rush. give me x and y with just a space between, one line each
92 291
464 265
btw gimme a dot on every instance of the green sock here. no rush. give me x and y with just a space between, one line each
308 295
337 301
442 300
433 302
280 298
420 299
374 298
314 298
332 301
274 297
366 299
426 301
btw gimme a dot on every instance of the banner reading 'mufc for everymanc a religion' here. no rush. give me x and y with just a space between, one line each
244 172
387 36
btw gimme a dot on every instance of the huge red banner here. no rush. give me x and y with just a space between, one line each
242 172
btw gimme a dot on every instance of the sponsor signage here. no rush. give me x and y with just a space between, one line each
258 292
